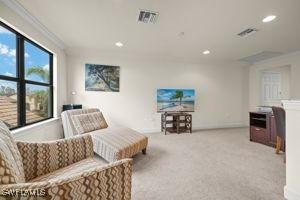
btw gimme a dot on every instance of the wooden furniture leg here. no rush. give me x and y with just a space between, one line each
162 122
144 151
191 124
278 144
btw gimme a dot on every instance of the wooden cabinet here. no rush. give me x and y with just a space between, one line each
263 128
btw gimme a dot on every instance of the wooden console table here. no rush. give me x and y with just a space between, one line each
178 122
263 129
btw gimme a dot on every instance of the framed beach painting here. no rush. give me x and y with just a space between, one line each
175 100
102 78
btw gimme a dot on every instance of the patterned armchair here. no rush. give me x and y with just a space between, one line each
62 169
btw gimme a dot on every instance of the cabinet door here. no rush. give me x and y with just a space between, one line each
259 135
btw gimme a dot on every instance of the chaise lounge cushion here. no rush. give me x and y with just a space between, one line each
11 167
84 123
68 125
117 143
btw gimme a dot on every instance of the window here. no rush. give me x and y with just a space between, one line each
26 80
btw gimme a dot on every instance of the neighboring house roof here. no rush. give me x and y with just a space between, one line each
9 111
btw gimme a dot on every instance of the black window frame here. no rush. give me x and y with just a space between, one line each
21 81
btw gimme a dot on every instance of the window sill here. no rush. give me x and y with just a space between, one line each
26 128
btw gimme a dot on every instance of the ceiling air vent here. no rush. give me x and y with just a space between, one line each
147 16
247 32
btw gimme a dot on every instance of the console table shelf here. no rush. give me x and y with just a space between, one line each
176 122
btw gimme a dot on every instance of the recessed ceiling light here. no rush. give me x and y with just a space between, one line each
119 44
269 18
206 52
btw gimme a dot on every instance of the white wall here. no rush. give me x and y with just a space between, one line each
221 90
291 60
51 130
292 188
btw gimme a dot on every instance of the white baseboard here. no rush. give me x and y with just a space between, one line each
219 126
147 130
199 127
290 194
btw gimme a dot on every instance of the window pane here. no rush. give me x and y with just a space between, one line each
8 103
37 103
36 64
7 52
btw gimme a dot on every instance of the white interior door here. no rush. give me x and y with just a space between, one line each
271 88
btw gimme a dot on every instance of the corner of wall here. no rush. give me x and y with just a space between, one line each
290 194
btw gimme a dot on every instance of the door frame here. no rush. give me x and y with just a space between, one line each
263 91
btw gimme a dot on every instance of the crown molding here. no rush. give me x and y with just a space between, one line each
26 15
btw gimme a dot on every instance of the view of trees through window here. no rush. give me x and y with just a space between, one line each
26 94
37 103
8 103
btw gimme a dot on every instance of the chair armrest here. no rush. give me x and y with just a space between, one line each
109 182
45 157
69 130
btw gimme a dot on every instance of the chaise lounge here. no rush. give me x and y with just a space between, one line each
111 143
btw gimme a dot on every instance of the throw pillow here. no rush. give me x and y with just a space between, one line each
84 123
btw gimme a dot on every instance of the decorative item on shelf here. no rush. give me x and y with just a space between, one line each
102 78
72 107
264 109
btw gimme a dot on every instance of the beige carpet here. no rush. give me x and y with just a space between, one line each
208 165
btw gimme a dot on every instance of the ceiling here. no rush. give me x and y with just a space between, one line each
207 24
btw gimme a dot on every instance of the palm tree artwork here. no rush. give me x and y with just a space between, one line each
175 100
178 95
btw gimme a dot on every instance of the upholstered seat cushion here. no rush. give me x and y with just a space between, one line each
11 166
84 123
117 143
68 125
71 170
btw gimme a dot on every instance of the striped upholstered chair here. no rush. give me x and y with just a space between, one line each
62 169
